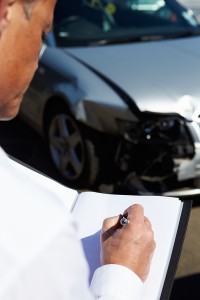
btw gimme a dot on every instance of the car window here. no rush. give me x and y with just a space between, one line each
85 22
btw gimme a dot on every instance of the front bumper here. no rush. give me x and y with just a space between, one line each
189 169
169 168
186 192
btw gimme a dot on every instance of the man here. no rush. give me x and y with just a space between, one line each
40 255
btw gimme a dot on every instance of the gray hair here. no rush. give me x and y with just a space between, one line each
27 7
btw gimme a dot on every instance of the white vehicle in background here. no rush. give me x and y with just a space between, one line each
147 5
150 6
194 5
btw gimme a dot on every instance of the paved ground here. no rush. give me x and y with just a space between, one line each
186 285
190 259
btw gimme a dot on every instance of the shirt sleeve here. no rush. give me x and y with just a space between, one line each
60 271
115 282
40 254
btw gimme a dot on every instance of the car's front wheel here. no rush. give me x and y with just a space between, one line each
73 155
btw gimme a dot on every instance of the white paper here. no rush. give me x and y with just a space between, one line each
92 208
164 213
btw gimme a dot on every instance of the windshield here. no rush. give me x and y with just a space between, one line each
86 22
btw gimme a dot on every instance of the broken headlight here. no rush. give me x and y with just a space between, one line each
160 130
148 129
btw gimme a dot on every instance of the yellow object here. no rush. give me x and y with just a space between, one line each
111 8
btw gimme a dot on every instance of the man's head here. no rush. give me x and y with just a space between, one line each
22 24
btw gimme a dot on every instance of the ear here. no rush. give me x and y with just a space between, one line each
5 13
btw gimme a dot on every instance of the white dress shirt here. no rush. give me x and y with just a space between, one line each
40 255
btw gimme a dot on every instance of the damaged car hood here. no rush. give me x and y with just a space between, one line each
160 76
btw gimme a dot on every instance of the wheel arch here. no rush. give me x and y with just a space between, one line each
60 102
92 161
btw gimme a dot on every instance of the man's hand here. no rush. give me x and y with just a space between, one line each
131 246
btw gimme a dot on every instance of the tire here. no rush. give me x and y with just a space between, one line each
72 154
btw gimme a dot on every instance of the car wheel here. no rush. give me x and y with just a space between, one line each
72 154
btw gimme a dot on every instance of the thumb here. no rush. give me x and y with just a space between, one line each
110 225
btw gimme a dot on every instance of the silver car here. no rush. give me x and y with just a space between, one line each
117 96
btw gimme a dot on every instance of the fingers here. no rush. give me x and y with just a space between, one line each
135 214
147 223
110 225
112 222
150 233
137 236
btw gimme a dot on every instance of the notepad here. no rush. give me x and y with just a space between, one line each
168 215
